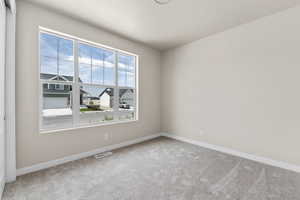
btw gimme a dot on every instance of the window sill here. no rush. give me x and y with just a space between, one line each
59 131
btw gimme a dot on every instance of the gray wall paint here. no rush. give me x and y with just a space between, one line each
239 88
33 148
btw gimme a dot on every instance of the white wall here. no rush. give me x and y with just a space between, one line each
239 88
33 148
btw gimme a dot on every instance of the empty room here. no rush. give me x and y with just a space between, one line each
149 100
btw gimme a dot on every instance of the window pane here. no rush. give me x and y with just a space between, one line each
126 70
131 72
48 65
97 74
66 49
49 45
126 99
109 76
97 56
130 79
87 118
122 65
66 68
126 116
84 54
109 66
95 98
56 55
85 73
57 106
122 78
96 104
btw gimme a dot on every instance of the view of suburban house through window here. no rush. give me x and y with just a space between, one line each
84 84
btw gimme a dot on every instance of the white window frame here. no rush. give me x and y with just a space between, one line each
76 85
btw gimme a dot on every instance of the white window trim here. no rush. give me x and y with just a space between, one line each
10 93
76 86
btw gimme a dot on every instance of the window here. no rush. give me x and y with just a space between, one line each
84 84
55 87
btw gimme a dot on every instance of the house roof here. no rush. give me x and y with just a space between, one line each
50 92
123 91
98 92
91 91
110 92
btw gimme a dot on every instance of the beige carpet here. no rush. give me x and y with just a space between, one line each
161 169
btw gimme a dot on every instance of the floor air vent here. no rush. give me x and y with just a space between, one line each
102 155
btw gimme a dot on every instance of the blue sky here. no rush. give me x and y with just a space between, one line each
96 65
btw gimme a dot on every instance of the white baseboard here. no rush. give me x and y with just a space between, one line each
248 156
2 184
260 159
52 163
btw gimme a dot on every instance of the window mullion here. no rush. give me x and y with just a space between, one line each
116 90
103 64
126 69
76 88
41 107
135 96
91 78
57 63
